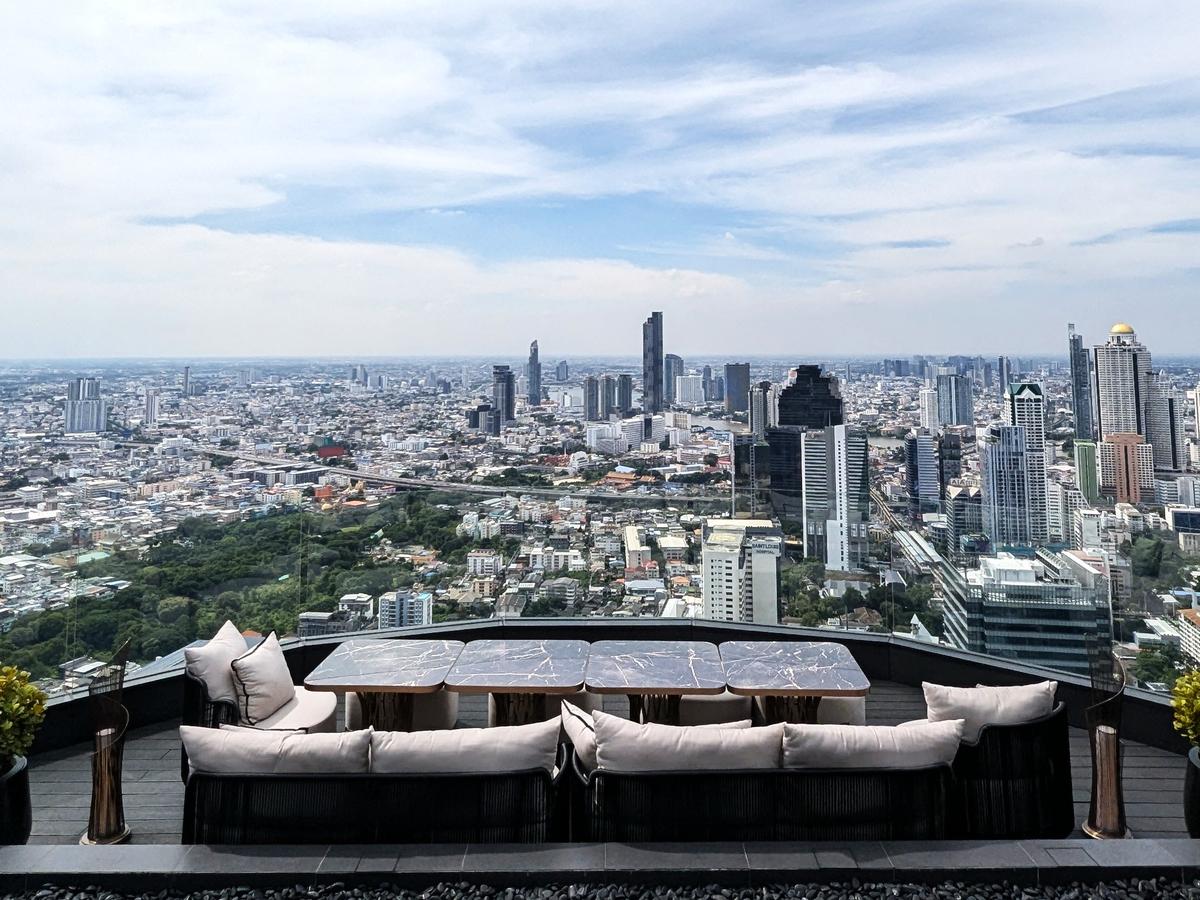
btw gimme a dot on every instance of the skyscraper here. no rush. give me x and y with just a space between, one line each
84 411
1164 424
504 393
534 373
950 454
964 523
1122 371
591 399
608 395
927 399
187 381
1087 470
562 371
1004 470
672 369
1004 373
811 399
624 394
764 408
710 393
1127 467
653 396
1025 408
737 387
922 474
1081 384
151 409
847 526
955 400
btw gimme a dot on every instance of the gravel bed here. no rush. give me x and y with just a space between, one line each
1133 889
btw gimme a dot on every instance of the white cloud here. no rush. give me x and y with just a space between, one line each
919 158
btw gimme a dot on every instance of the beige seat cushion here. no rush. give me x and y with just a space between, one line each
980 706
250 751
910 746
263 681
311 711
513 748
431 712
624 746
211 663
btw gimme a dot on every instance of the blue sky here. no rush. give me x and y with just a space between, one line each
779 178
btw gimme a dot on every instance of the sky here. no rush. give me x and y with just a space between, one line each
389 178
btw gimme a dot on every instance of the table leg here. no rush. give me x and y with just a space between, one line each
386 710
519 709
662 709
797 710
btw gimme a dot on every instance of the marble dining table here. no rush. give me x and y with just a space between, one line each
655 674
519 674
386 674
791 677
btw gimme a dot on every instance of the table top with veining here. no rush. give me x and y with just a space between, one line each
655 667
792 669
519 667
396 666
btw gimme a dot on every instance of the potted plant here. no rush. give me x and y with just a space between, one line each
22 708
1186 701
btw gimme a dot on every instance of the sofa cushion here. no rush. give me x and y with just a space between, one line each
251 751
580 729
910 746
624 746
311 711
263 681
980 706
511 748
211 663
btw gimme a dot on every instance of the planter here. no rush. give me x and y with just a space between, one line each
1191 793
16 811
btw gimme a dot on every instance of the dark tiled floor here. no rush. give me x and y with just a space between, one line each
61 782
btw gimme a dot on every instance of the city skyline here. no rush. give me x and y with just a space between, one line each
216 183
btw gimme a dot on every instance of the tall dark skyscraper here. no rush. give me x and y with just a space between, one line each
534 375
504 393
672 369
710 391
591 399
608 395
737 387
812 400
955 399
1003 374
624 394
653 396
1081 384
562 371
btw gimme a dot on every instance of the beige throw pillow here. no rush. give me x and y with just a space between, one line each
980 706
211 662
263 681
910 746
510 748
249 751
624 746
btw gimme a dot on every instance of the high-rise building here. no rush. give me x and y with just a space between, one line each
737 387
1004 471
608 395
624 394
739 561
810 399
653 394
401 609
1004 373
504 393
955 401
689 390
1025 408
85 411
1122 370
927 399
847 528
922 474
562 371
1081 384
950 455
1127 468
533 372
710 390
591 399
1164 424
187 381
150 410
764 408
672 369
1087 470
963 507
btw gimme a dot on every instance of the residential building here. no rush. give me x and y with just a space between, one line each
764 408
504 394
151 408
1025 408
1121 376
689 390
653 394
922 474
1004 471
1126 467
624 395
927 401
534 374
1081 384
85 412
592 411
740 570
637 554
401 609
1087 469
1164 424
955 400
965 540
672 369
